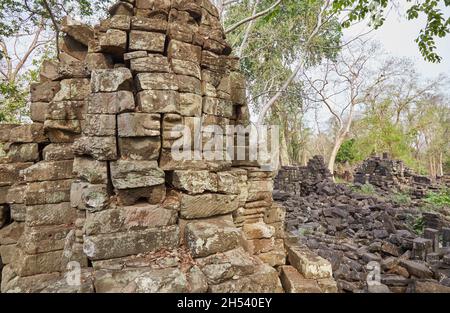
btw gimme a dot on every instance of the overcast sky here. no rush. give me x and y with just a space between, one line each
397 37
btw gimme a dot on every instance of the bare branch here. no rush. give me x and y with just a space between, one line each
253 17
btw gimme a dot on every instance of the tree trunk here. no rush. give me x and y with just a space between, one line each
334 152
440 172
284 155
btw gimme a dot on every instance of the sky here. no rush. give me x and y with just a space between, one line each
397 37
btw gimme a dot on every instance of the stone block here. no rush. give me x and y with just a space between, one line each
140 148
38 192
49 170
190 104
62 131
108 246
121 22
186 67
294 282
147 41
189 84
148 24
66 110
10 173
264 280
22 153
100 125
153 195
28 133
39 263
153 63
38 111
206 238
129 218
224 266
11 233
89 197
194 182
207 205
110 80
158 101
184 51
100 148
58 152
111 102
156 81
114 42
41 239
44 92
258 231
128 174
90 170
218 107
138 124
77 30
74 89
50 214
307 263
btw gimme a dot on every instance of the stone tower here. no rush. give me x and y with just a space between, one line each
93 196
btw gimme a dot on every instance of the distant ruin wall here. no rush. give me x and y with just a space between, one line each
92 187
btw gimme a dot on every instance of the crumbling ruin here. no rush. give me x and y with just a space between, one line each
91 196
367 239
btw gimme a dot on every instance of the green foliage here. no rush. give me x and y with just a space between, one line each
401 198
439 199
367 189
13 101
437 25
22 15
418 225
348 152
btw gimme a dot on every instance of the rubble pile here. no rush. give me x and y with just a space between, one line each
387 175
92 198
369 240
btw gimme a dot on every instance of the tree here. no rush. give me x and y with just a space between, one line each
437 24
340 86
29 33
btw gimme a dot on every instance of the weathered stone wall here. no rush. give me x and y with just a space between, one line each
91 186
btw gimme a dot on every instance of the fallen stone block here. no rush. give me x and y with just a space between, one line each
307 263
294 282
264 280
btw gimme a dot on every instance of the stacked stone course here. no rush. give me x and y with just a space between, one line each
92 186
